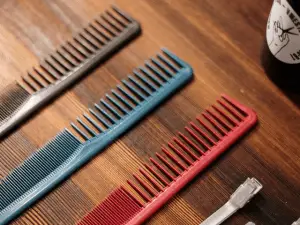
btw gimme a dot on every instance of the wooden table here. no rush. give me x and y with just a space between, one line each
221 39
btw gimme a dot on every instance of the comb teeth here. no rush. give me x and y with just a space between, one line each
11 98
93 44
111 117
137 89
114 206
186 156
36 168
91 40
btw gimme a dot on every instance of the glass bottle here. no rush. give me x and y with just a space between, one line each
281 51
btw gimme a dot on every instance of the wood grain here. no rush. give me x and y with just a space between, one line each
222 40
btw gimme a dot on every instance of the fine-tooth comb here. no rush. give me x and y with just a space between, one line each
110 118
182 159
92 45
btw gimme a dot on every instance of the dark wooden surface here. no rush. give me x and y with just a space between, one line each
221 39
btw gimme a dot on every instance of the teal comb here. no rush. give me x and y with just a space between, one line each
111 117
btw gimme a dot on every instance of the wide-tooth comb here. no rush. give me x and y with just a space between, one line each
184 158
111 117
92 45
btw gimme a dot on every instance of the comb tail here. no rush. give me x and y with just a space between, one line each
44 95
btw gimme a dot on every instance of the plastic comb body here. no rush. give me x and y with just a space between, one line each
92 45
111 117
180 161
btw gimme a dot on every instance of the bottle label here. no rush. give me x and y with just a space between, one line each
283 32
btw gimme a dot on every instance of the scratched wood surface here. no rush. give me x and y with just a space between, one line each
221 39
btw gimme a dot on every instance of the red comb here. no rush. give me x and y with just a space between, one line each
184 158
